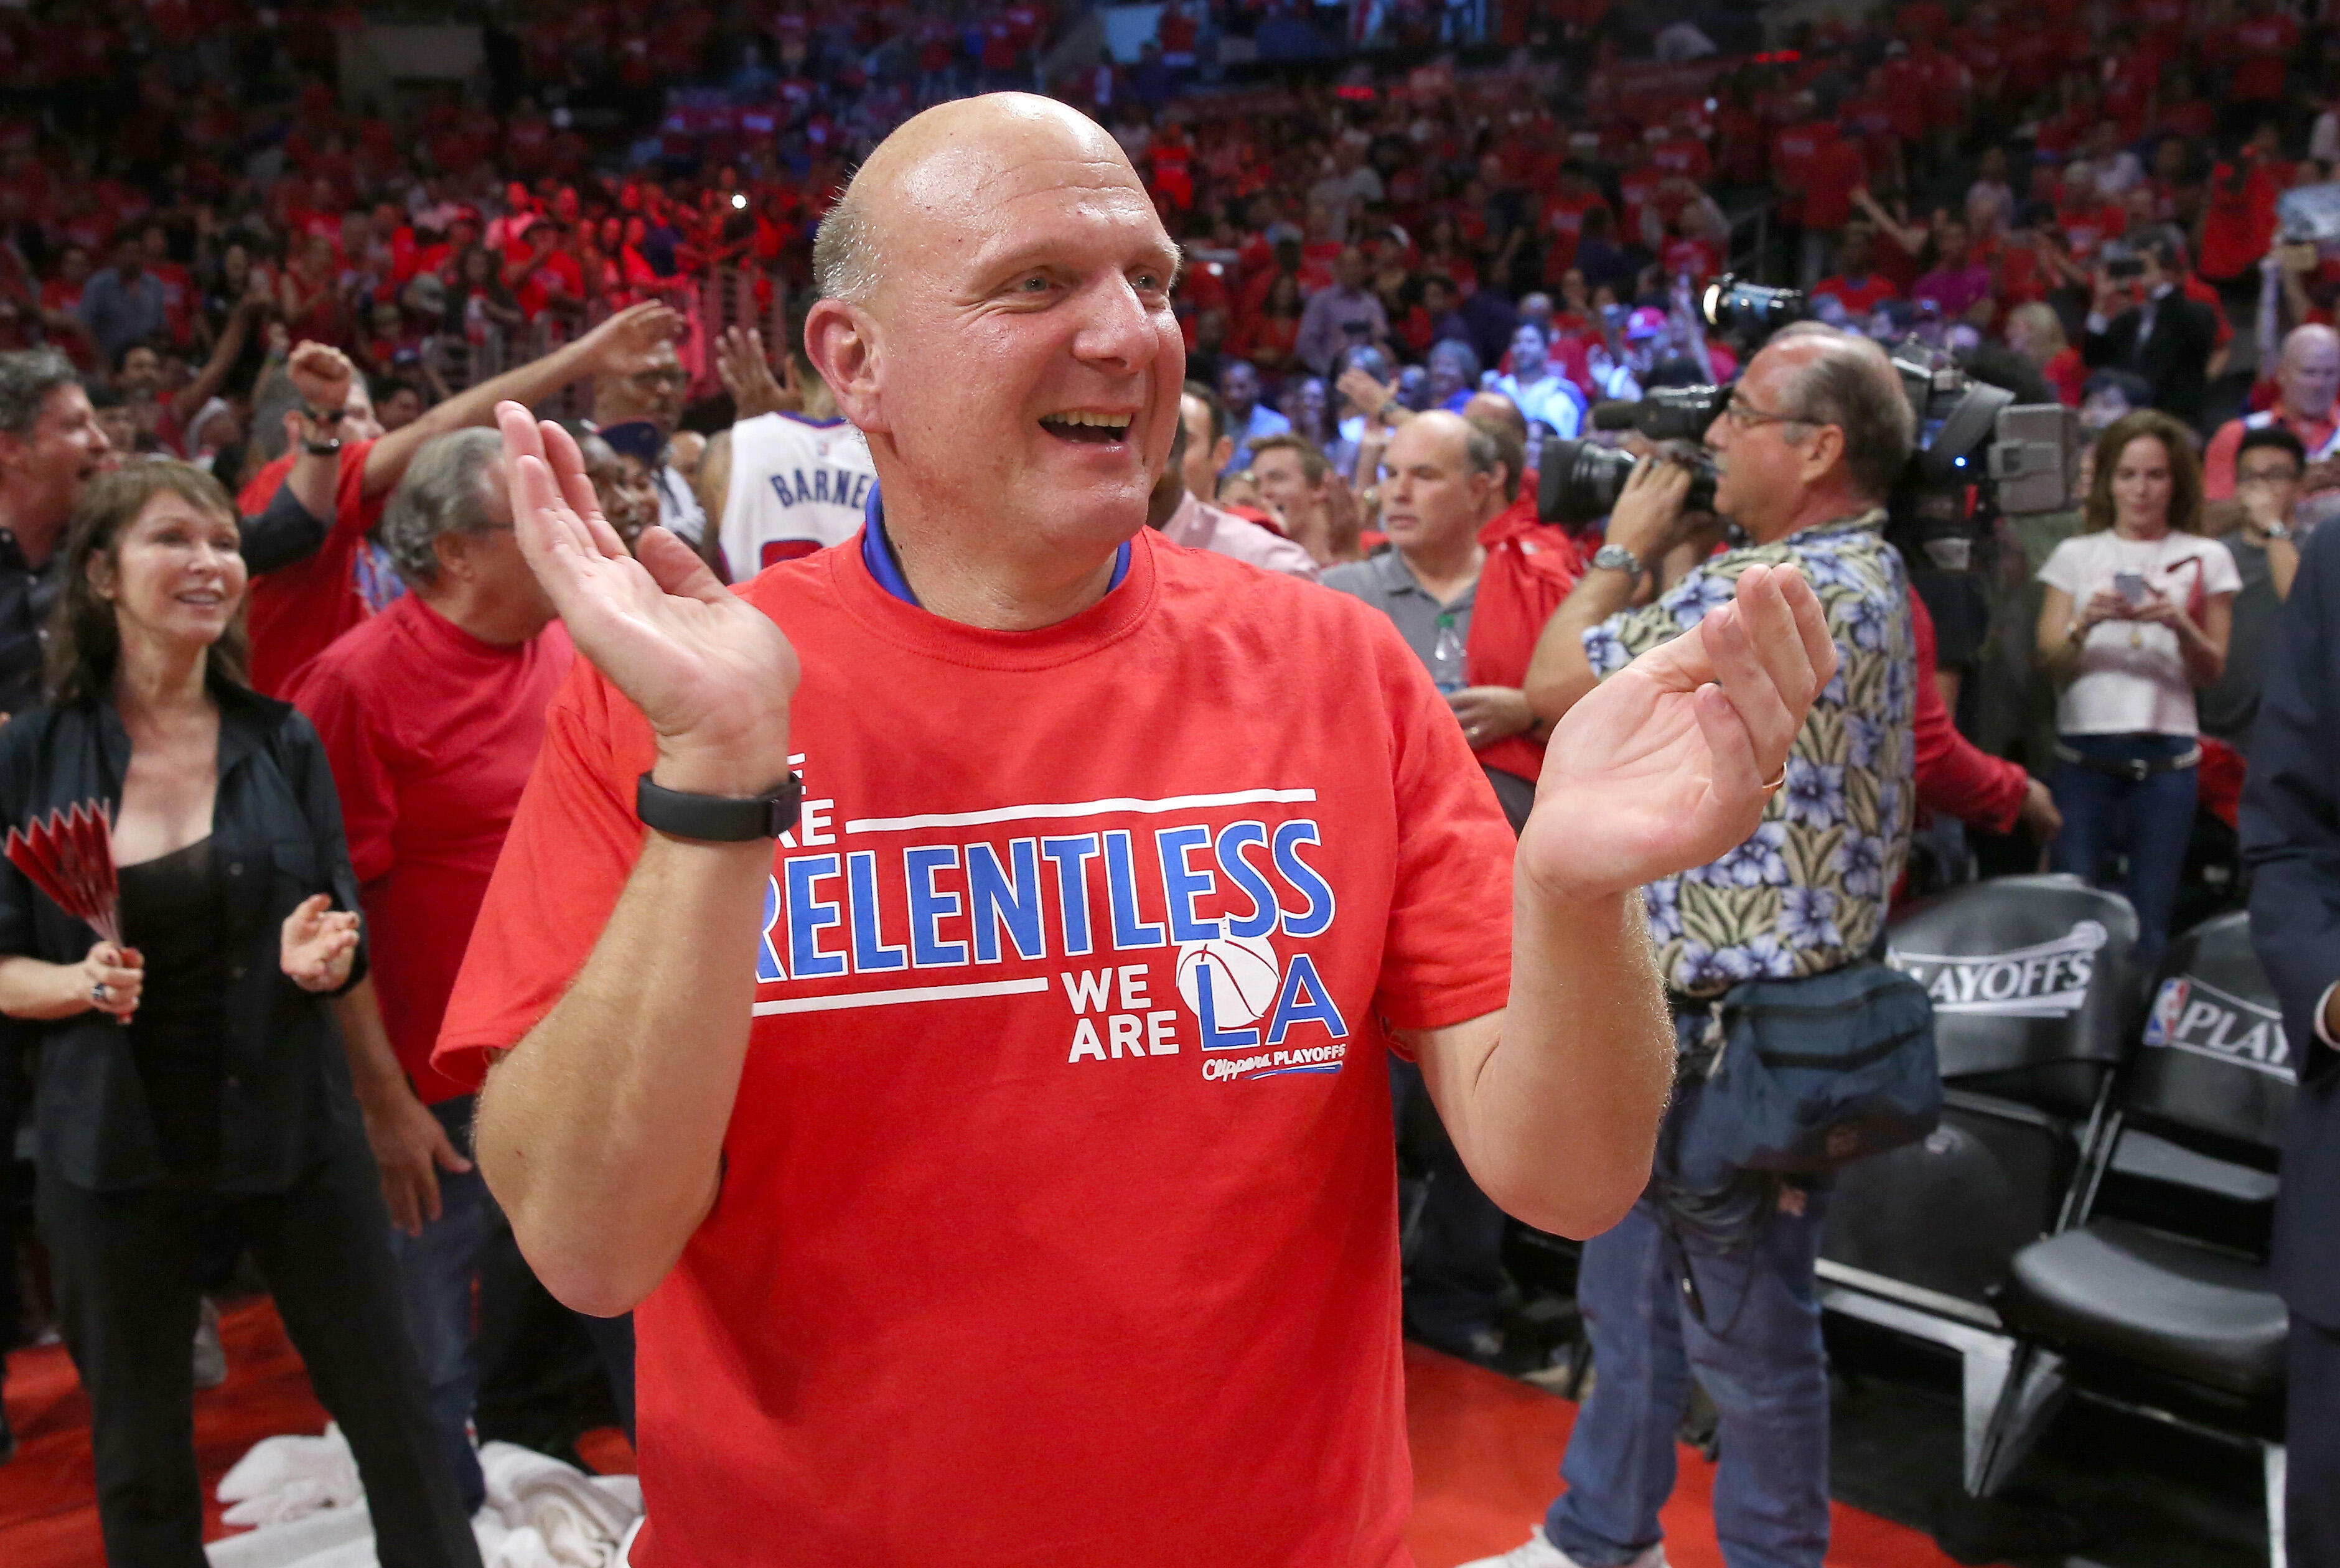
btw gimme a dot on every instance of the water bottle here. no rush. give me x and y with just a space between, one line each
1446 657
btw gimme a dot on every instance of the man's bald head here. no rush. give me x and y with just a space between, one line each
939 160
2308 372
1496 408
996 318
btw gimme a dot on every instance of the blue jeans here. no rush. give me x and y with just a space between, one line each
2150 821
1757 1354
1456 1275
435 1271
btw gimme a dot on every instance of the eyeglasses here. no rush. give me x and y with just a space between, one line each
1745 415
675 378
2286 475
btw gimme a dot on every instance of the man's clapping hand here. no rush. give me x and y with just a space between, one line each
711 674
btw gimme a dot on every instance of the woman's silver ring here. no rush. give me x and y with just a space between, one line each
97 993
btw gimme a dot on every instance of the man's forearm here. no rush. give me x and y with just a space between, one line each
1559 674
1563 1112
601 1133
529 385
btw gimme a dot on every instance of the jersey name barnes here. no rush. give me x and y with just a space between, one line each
826 486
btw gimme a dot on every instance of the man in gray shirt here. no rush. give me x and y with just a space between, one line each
122 303
1336 317
1446 480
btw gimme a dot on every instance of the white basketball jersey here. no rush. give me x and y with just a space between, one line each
798 485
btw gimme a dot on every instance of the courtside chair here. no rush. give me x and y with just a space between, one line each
2184 1327
2036 1000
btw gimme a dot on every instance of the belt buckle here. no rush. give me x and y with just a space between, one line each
2140 769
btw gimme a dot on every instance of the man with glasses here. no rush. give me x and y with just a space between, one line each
2270 464
650 390
1806 449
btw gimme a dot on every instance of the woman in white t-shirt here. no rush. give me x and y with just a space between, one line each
2137 613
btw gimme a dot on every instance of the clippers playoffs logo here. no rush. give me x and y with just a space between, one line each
1244 1000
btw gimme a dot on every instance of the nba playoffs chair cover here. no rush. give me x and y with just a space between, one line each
2036 1002
2185 1326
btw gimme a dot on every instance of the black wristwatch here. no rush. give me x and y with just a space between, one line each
325 448
718 818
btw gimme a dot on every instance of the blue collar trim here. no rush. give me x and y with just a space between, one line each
877 554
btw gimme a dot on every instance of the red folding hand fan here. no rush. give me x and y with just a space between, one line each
69 856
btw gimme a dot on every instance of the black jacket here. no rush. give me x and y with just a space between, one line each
276 827
2291 837
2174 359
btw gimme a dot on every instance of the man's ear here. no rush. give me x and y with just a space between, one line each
1825 450
1222 454
451 548
841 341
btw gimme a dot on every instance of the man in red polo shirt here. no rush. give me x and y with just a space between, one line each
295 610
1117 868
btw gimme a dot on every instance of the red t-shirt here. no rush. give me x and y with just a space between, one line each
1169 1225
294 612
1833 172
431 734
1859 298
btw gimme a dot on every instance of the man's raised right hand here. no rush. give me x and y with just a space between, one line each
711 674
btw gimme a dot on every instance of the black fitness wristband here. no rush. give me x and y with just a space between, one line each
718 818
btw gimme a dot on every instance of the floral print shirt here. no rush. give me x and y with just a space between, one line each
1806 893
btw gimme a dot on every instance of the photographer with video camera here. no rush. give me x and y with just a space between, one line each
1713 1269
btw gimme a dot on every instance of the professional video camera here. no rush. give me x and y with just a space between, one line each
1979 453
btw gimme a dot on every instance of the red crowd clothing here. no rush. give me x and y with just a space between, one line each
1166 1207
431 734
1530 567
2067 373
2239 219
1859 298
1954 776
295 611
2262 48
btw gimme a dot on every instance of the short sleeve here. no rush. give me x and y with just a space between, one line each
2063 569
2219 573
574 843
353 512
359 756
1447 956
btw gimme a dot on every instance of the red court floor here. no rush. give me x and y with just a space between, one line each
1485 1451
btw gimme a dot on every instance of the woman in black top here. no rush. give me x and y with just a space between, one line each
195 1073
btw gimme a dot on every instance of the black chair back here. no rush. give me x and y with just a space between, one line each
2215 1060
2029 974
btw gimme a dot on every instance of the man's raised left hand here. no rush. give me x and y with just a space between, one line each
1667 764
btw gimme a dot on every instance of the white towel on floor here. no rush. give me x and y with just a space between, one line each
304 1495
286 1478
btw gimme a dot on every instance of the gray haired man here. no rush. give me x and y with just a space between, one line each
432 713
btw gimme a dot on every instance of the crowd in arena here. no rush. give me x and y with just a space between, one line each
254 329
